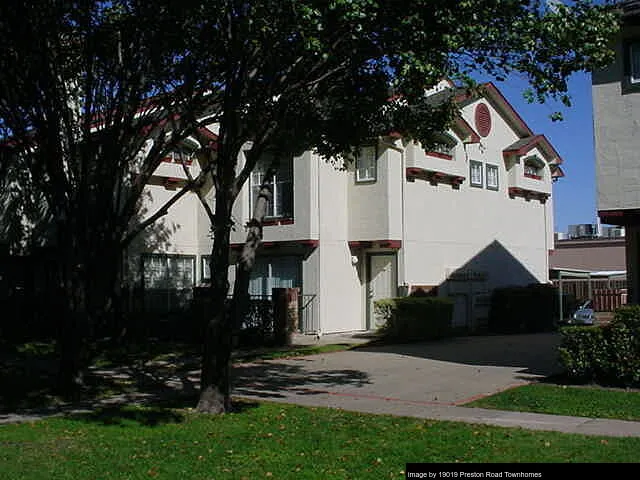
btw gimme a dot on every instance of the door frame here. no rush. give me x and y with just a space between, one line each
369 320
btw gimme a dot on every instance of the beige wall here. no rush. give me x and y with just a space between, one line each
616 114
593 255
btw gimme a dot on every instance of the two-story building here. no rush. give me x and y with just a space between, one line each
616 110
458 220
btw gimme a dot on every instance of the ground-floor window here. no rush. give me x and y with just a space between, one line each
168 281
275 272
168 271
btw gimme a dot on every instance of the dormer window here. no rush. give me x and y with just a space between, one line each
533 168
444 147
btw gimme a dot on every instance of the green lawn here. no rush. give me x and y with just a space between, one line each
565 400
272 440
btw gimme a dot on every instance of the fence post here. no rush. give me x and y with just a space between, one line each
285 314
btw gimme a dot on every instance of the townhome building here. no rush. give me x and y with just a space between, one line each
456 220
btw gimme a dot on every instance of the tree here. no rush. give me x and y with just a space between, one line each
93 95
331 75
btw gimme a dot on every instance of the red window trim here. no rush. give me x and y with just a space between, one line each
277 221
533 176
443 156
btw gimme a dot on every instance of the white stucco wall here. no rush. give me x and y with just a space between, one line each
475 228
340 290
375 208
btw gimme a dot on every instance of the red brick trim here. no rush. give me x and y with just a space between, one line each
528 194
277 221
629 216
281 243
433 177
394 244
443 156
533 176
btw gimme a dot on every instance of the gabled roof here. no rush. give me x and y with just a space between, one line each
525 145
491 93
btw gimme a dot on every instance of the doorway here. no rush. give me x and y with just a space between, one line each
381 283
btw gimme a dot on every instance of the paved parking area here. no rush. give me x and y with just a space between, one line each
449 372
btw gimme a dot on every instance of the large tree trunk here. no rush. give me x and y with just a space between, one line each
214 380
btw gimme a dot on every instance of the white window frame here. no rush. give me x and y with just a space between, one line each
166 271
488 177
283 179
634 67
476 182
533 167
367 164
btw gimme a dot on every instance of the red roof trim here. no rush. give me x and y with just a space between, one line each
281 243
433 177
497 97
533 142
443 156
528 194
395 244
465 127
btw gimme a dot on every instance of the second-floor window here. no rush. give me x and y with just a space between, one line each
533 168
634 62
281 205
367 164
492 177
475 172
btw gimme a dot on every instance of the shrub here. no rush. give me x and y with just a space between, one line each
608 355
531 308
415 318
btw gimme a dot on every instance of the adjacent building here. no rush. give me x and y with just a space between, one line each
616 104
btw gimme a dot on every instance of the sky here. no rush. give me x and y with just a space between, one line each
574 196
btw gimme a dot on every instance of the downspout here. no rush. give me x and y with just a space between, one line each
319 297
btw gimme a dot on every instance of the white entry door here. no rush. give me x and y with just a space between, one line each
381 283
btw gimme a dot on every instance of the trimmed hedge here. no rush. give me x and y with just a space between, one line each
525 309
609 354
415 318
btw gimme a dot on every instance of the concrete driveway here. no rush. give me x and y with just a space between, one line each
444 373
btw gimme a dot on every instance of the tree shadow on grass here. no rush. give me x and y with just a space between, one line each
126 416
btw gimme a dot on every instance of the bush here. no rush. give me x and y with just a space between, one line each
609 355
532 308
415 318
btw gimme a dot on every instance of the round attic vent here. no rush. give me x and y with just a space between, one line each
483 120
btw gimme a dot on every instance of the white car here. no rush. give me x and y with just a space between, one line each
585 314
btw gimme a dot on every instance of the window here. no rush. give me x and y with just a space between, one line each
205 271
634 62
274 272
445 146
533 168
492 177
281 205
168 271
475 173
366 164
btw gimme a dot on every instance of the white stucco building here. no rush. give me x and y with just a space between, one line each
457 222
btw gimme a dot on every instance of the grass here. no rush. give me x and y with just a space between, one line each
273 440
565 400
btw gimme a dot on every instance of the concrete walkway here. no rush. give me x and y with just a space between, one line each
427 380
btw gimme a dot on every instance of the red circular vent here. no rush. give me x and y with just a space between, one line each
483 120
